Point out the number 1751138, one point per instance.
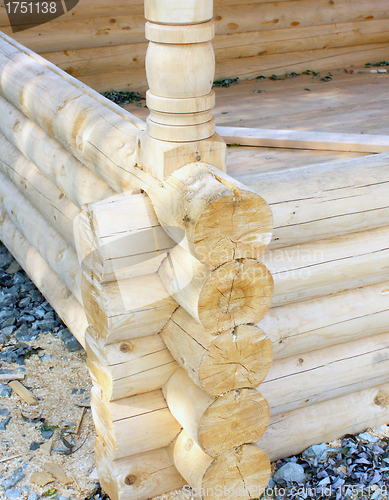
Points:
(31, 7)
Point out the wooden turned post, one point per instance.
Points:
(180, 66)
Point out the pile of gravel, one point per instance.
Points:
(24, 313)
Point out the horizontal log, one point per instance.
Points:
(217, 425)
(125, 369)
(75, 180)
(129, 309)
(329, 200)
(232, 19)
(295, 329)
(221, 219)
(83, 10)
(138, 477)
(61, 299)
(76, 83)
(99, 60)
(236, 359)
(299, 38)
(82, 33)
(96, 136)
(235, 293)
(124, 424)
(46, 240)
(329, 266)
(295, 139)
(122, 238)
(317, 60)
(302, 380)
(245, 469)
(326, 421)
(58, 210)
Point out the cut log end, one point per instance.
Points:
(236, 293)
(234, 419)
(235, 360)
(239, 473)
(244, 229)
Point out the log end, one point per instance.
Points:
(236, 359)
(235, 293)
(234, 419)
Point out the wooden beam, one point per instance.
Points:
(296, 139)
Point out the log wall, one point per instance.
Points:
(186, 318)
(253, 37)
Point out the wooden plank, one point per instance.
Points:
(304, 140)
(23, 392)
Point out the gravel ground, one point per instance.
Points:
(59, 429)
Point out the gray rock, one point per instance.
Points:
(4, 423)
(8, 330)
(13, 480)
(4, 412)
(27, 318)
(290, 472)
(49, 316)
(25, 302)
(22, 331)
(46, 357)
(39, 312)
(5, 391)
(47, 307)
(71, 343)
(35, 445)
(8, 313)
(46, 434)
(36, 295)
(3, 339)
(33, 496)
(315, 452)
(365, 436)
(13, 493)
(13, 268)
(9, 321)
(6, 299)
(5, 260)
(44, 325)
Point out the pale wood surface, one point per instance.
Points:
(62, 300)
(131, 308)
(75, 180)
(43, 237)
(217, 425)
(328, 266)
(235, 359)
(319, 323)
(305, 379)
(53, 205)
(128, 368)
(326, 421)
(133, 425)
(243, 469)
(141, 476)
